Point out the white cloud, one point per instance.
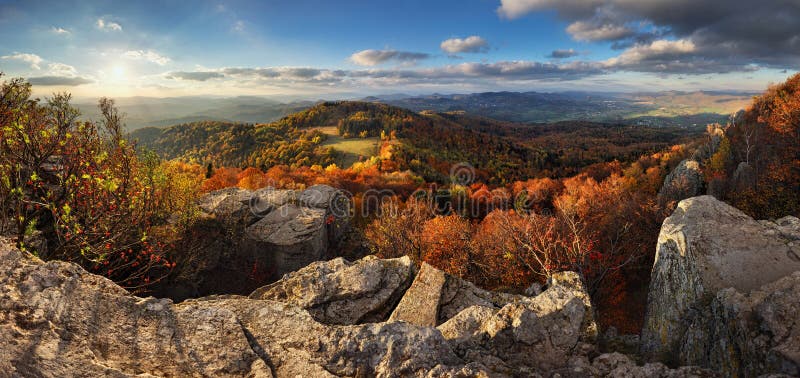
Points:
(661, 49)
(147, 55)
(108, 25)
(376, 57)
(471, 44)
(239, 26)
(32, 59)
(60, 31)
(591, 31)
(61, 69)
(505, 71)
(194, 76)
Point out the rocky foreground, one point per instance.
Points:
(386, 318)
(725, 291)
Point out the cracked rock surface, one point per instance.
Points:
(326, 320)
(724, 291)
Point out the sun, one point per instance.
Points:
(118, 72)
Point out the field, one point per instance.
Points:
(351, 149)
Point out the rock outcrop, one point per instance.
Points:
(248, 238)
(748, 335)
(528, 336)
(685, 181)
(341, 292)
(715, 291)
(58, 320)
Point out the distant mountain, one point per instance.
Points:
(671, 108)
(158, 112)
(660, 109)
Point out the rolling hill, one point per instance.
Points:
(427, 143)
(669, 108)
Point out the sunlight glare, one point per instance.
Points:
(118, 72)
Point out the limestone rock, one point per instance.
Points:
(420, 304)
(744, 177)
(748, 335)
(293, 236)
(685, 181)
(788, 227)
(466, 323)
(706, 246)
(534, 289)
(341, 292)
(230, 205)
(530, 336)
(458, 294)
(265, 200)
(58, 320)
(245, 239)
(611, 341)
(620, 365)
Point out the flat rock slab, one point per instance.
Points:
(420, 304)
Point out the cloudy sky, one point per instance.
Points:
(321, 48)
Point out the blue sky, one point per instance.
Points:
(337, 48)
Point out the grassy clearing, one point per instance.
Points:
(350, 149)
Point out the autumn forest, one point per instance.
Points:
(499, 203)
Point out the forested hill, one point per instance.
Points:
(426, 143)
(292, 140)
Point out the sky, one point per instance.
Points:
(324, 48)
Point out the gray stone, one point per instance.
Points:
(706, 246)
(748, 335)
(420, 304)
(534, 289)
(528, 336)
(245, 239)
(58, 320)
(458, 294)
(230, 205)
(319, 196)
(292, 236)
(466, 323)
(685, 181)
(341, 292)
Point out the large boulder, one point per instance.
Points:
(244, 239)
(335, 203)
(706, 246)
(435, 297)
(528, 336)
(290, 236)
(230, 205)
(341, 292)
(685, 181)
(748, 335)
